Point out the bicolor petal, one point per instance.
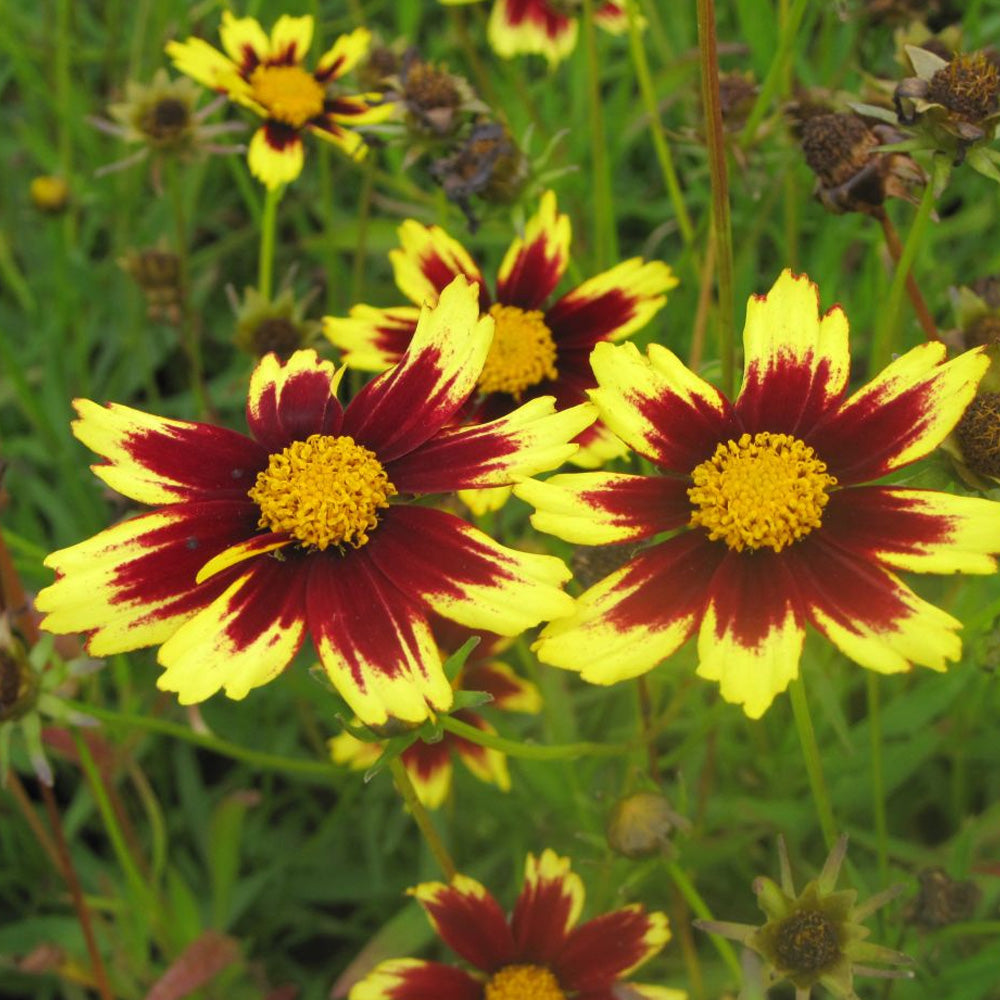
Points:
(510, 692)
(534, 263)
(373, 642)
(900, 416)
(247, 636)
(520, 27)
(358, 755)
(372, 339)
(916, 530)
(603, 949)
(430, 769)
(487, 764)
(533, 438)
(613, 18)
(276, 154)
(156, 460)
(427, 261)
(868, 613)
(464, 575)
(206, 65)
(796, 363)
(469, 920)
(404, 407)
(658, 407)
(752, 631)
(412, 979)
(547, 909)
(291, 38)
(291, 400)
(133, 585)
(627, 623)
(245, 41)
(345, 53)
(598, 508)
(612, 305)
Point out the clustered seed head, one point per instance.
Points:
(969, 86)
(984, 329)
(806, 942)
(166, 121)
(837, 146)
(978, 434)
(942, 900)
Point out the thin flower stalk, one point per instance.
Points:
(421, 817)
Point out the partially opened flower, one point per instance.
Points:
(816, 936)
(309, 526)
(268, 76)
(430, 764)
(538, 952)
(770, 524)
(539, 349)
(544, 27)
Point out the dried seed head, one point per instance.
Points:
(969, 86)
(837, 146)
(984, 329)
(158, 273)
(942, 900)
(641, 825)
(978, 435)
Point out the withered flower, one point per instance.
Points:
(942, 900)
(815, 936)
(435, 100)
(157, 272)
(489, 164)
(737, 93)
(852, 173)
(279, 324)
(642, 824)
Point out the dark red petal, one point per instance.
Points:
(537, 12)
(471, 922)
(578, 322)
(427, 758)
(289, 401)
(597, 952)
(415, 980)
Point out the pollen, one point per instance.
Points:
(523, 982)
(323, 491)
(522, 354)
(806, 943)
(764, 490)
(289, 93)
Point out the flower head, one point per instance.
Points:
(430, 764)
(771, 524)
(544, 27)
(815, 936)
(540, 951)
(308, 525)
(49, 194)
(267, 75)
(157, 272)
(278, 324)
(540, 347)
(163, 118)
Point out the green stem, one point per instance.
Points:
(268, 229)
(775, 73)
(565, 751)
(709, 59)
(422, 818)
(814, 766)
(605, 237)
(885, 334)
(693, 898)
(878, 781)
(660, 144)
(311, 769)
(190, 339)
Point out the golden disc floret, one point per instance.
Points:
(288, 93)
(323, 491)
(522, 354)
(762, 491)
(523, 982)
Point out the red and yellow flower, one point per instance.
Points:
(543, 27)
(538, 349)
(771, 525)
(430, 764)
(308, 526)
(538, 952)
(266, 74)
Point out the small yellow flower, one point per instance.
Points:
(49, 194)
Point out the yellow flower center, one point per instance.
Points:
(523, 352)
(290, 94)
(523, 982)
(763, 490)
(323, 491)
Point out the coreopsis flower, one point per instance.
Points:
(163, 119)
(543, 27)
(430, 764)
(268, 76)
(49, 194)
(277, 324)
(309, 525)
(537, 952)
(538, 349)
(816, 936)
(771, 524)
(953, 106)
(852, 173)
